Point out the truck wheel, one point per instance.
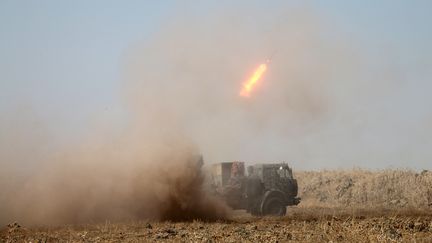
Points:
(274, 206)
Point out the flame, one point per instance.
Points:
(249, 85)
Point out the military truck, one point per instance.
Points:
(266, 189)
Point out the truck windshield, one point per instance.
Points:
(284, 172)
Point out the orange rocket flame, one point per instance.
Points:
(250, 84)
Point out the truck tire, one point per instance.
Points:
(274, 206)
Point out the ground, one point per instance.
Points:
(300, 225)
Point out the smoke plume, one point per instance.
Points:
(180, 90)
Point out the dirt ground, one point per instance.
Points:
(300, 225)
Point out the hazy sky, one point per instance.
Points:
(64, 60)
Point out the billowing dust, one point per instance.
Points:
(179, 100)
(121, 181)
(114, 181)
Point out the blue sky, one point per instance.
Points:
(64, 59)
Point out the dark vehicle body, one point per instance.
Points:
(267, 189)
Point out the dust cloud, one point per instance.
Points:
(138, 175)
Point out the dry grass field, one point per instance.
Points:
(366, 189)
(338, 206)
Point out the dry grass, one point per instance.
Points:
(365, 189)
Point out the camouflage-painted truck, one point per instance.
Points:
(266, 189)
